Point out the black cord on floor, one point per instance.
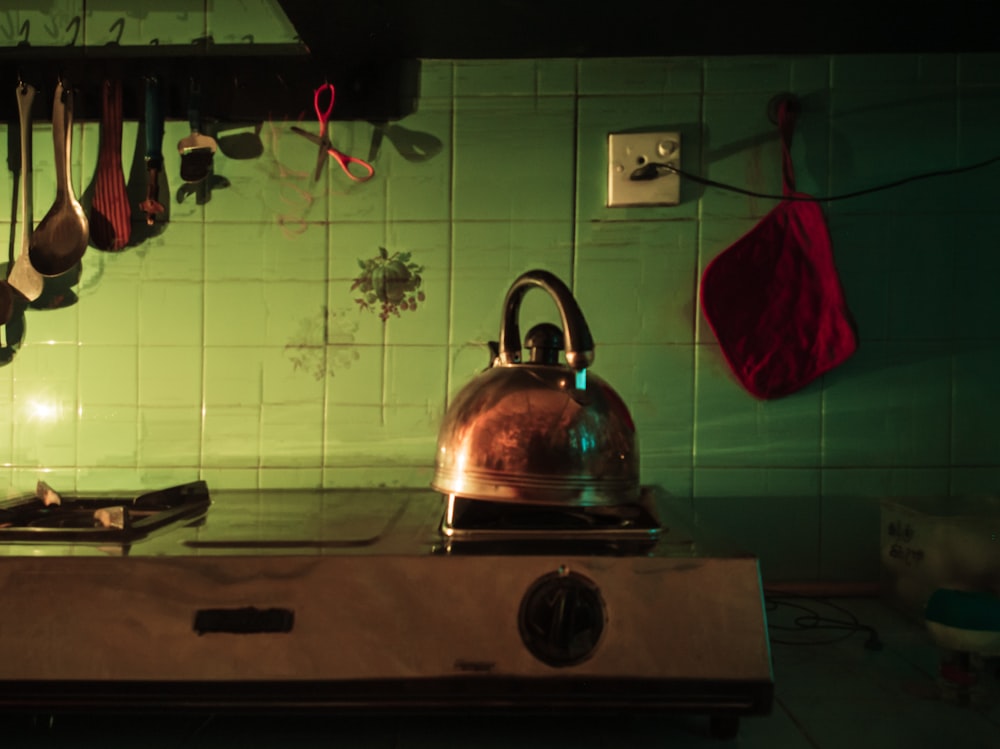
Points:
(810, 621)
(653, 170)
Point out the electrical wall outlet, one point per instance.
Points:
(649, 153)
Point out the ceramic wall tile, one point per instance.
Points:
(236, 313)
(291, 478)
(490, 182)
(657, 384)
(978, 68)
(488, 258)
(107, 375)
(893, 71)
(974, 299)
(231, 478)
(599, 116)
(975, 410)
(170, 437)
(49, 326)
(974, 481)
(45, 407)
(233, 377)
(531, 77)
(734, 429)
(170, 377)
(291, 435)
(742, 149)
(231, 436)
(888, 406)
(849, 540)
(355, 375)
(421, 315)
(289, 382)
(108, 310)
(174, 253)
(866, 150)
(183, 325)
(783, 531)
(415, 376)
(417, 152)
(769, 75)
(436, 80)
(107, 436)
(650, 75)
(865, 253)
(638, 280)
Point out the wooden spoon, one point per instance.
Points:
(60, 239)
(23, 276)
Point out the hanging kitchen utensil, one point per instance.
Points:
(23, 276)
(110, 212)
(154, 153)
(196, 149)
(539, 432)
(774, 299)
(60, 239)
(326, 148)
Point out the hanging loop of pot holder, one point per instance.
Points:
(773, 298)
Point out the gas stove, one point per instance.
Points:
(375, 599)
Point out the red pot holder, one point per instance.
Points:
(773, 298)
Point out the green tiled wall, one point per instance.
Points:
(229, 346)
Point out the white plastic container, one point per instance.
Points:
(938, 542)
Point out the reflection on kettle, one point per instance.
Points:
(540, 431)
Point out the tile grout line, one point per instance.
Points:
(575, 181)
(696, 325)
(450, 315)
(204, 351)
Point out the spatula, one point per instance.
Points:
(23, 277)
(196, 149)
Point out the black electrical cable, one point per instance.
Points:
(812, 621)
(653, 170)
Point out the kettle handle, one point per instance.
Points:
(579, 344)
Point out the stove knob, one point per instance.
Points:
(562, 618)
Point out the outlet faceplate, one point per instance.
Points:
(630, 151)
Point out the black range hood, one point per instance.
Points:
(631, 28)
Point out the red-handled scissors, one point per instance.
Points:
(326, 147)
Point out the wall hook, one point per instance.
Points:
(772, 106)
(120, 25)
(75, 25)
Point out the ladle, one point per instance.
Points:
(60, 239)
(23, 277)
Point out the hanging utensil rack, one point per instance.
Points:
(239, 81)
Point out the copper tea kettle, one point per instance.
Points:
(539, 432)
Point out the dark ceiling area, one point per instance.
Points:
(521, 28)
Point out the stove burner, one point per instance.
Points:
(474, 514)
(630, 528)
(96, 518)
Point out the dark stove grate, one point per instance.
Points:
(108, 519)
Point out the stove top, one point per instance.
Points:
(374, 599)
